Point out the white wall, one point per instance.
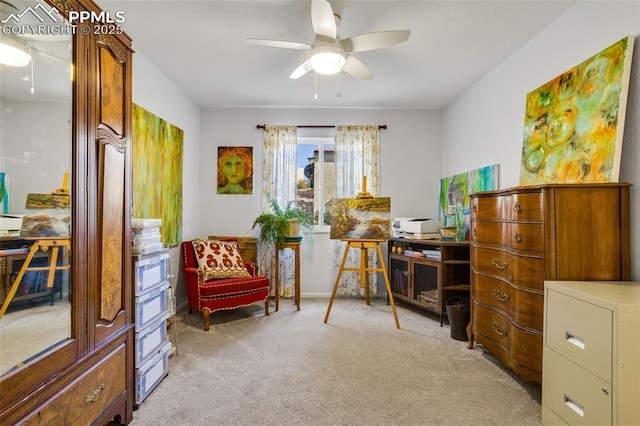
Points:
(485, 124)
(153, 91)
(35, 152)
(410, 172)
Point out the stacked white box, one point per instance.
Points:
(151, 285)
(146, 236)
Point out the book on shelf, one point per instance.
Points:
(432, 254)
(401, 282)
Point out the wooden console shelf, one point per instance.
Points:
(428, 282)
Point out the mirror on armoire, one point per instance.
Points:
(36, 130)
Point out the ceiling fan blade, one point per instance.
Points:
(279, 43)
(377, 40)
(302, 69)
(357, 69)
(322, 19)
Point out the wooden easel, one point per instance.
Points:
(43, 244)
(364, 245)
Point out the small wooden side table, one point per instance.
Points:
(295, 246)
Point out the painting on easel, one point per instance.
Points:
(361, 218)
(46, 215)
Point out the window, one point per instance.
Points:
(315, 177)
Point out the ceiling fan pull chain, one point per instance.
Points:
(315, 86)
(33, 91)
(339, 93)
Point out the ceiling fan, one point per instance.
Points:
(330, 54)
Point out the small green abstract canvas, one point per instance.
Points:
(456, 190)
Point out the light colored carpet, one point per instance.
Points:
(292, 369)
(30, 328)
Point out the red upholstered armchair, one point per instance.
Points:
(209, 293)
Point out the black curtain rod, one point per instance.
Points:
(262, 126)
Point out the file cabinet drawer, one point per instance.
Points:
(574, 394)
(581, 332)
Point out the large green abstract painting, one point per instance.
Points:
(574, 123)
(157, 172)
(456, 191)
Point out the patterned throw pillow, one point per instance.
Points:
(219, 259)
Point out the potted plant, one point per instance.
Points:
(281, 223)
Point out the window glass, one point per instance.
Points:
(316, 178)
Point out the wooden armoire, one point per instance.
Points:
(89, 378)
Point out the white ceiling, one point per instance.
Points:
(200, 45)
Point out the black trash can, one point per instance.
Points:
(459, 314)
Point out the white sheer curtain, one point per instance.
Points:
(279, 182)
(357, 154)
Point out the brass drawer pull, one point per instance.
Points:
(496, 327)
(499, 265)
(517, 208)
(517, 237)
(502, 298)
(95, 395)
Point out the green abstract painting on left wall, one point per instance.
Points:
(157, 172)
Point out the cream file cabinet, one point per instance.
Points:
(591, 354)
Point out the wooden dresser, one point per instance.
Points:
(525, 235)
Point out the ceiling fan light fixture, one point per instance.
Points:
(14, 52)
(327, 59)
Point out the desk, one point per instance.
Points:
(295, 246)
(40, 244)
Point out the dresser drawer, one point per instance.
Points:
(88, 396)
(575, 395)
(525, 347)
(524, 206)
(522, 307)
(581, 332)
(522, 271)
(520, 236)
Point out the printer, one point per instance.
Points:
(10, 224)
(409, 226)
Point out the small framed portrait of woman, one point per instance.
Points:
(235, 170)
